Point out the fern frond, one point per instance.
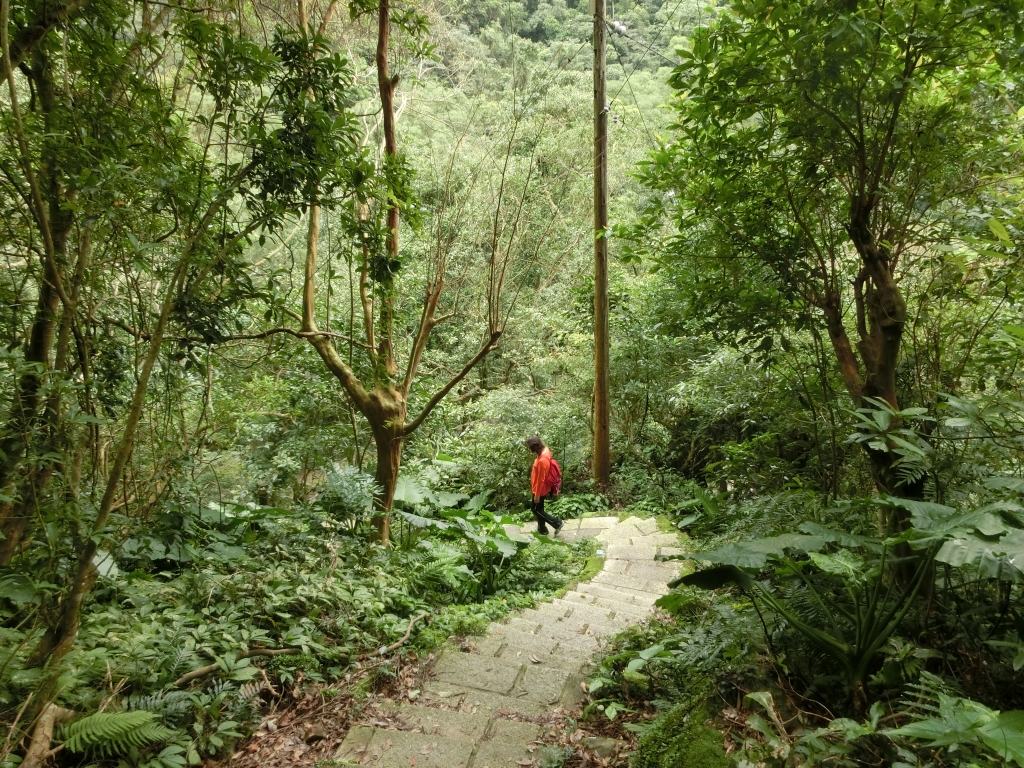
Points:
(169, 705)
(250, 691)
(114, 733)
(924, 694)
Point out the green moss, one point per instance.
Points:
(678, 741)
(595, 564)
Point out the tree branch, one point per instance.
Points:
(320, 341)
(188, 677)
(405, 638)
(490, 344)
(51, 14)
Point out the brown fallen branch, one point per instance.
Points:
(408, 631)
(39, 749)
(188, 677)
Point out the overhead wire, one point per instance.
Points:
(633, 94)
(643, 56)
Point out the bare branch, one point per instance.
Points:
(490, 344)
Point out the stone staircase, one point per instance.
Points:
(482, 706)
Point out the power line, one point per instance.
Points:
(661, 29)
(633, 94)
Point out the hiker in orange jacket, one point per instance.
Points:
(542, 485)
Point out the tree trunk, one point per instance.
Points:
(389, 459)
(386, 414)
(22, 431)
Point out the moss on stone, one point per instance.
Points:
(678, 741)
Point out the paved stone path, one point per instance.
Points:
(476, 710)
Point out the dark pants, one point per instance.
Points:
(543, 517)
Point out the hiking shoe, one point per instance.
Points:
(559, 526)
(543, 532)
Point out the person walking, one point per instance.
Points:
(545, 479)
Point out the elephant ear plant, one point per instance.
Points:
(842, 594)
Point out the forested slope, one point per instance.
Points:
(287, 285)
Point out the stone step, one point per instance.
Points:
(588, 611)
(628, 612)
(536, 690)
(642, 599)
(656, 575)
(507, 745)
(433, 721)
(657, 566)
(469, 715)
(648, 525)
(551, 652)
(564, 614)
(659, 540)
(567, 658)
(520, 624)
(472, 700)
(484, 673)
(620, 534)
(492, 645)
(577, 636)
(631, 552)
(382, 748)
(630, 581)
(616, 566)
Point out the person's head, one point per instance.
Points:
(535, 444)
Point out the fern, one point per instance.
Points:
(114, 733)
(926, 693)
(171, 706)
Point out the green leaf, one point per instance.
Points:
(446, 499)
(923, 514)
(477, 502)
(718, 577)
(688, 520)
(1002, 560)
(999, 230)
(114, 733)
(672, 602)
(754, 553)
(635, 665)
(19, 589)
(838, 537)
(843, 563)
(409, 491)
(1005, 483)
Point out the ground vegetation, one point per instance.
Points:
(287, 284)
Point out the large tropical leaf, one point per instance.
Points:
(716, 578)
(843, 563)
(1005, 483)
(754, 553)
(446, 499)
(839, 537)
(1003, 559)
(409, 491)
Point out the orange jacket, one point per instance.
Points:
(539, 483)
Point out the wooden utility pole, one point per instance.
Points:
(602, 426)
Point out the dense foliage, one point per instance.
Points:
(287, 282)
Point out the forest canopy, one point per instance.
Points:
(287, 284)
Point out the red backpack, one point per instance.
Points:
(554, 478)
